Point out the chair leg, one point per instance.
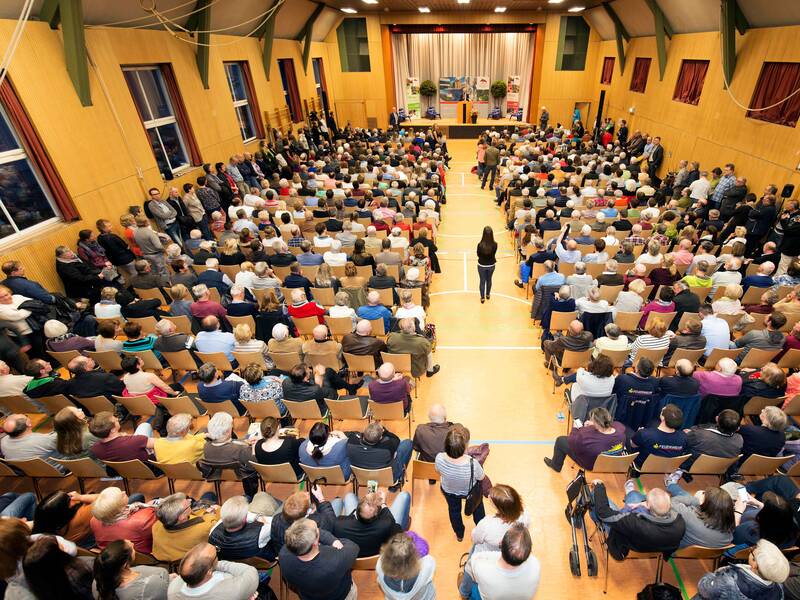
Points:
(81, 485)
(605, 585)
(36, 490)
(127, 485)
(659, 568)
(171, 485)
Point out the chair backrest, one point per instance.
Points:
(132, 469)
(422, 469)
(757, 358)
(305, 325)
(559, 321)
(346, 409)
(63, 358)
(753, 295)
(666, 317)
(326, 359)
(401, 362)
(363, 364)
(655, 355)
(96, 404)
(386, 294)
(383, 476)
(366, 563)
(285, 360)
(83, 467)
(53, 404)
(307, 409)
(18, 404)
(261, 410)
(246, 320)
(155, 293)
(180, 404)
(756, 404)
(712, 465)
(390, 411)
(606, 463)
(108, 360)
(685, 318)
(331, 475)
(282, 473)
(151, 362)
(218, 359)
(618, 357)
(213, 408)
(610, 292)
(35, 467)
(628, 321)
(324, 296)
(757, 465)
(148, 324)
(339, 326)
(700, 291)
(718, 353)
(790, 360)
(691, 355)
(701, 552)
(183, 324)
(247, 358)
(185, 471)
(378, 327)
(140, 406)
(573, 360)
(662, 464)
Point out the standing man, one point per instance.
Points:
(490, 159)
(394, 118)
(622, 133)
(166, 217)
(790, 244)
(117, 250)
(655, 160)
(150, 244)
(544, 118)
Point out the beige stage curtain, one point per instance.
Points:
(434, 55)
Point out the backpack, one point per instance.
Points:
(659, 591)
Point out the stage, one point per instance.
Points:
(462, 131)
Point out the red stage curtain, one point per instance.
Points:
(608, 70)
(641, 68)
(776, 82)
(180, 114)
(690, 81)
(294, 96)
(36, 151)
(253, 99)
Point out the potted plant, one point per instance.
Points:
(427, 89)
(499, 90)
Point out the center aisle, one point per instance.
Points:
(493, 381)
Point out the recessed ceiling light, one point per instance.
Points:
(370, 1)
(463, 1)
(424, 9)
(576, 9)
(499, 9)
(555, 1)
(349, 11)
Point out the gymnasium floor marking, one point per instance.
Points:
(494, 295)
(441, 347)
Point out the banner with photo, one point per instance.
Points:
(482, 89)
(512, 96)
(451, 89)
(412, 97)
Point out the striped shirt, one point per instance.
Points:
(648, 342)
(455, 477)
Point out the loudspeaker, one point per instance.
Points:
(787, 190)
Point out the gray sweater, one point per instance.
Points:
(230, 581)
(697, 532)
(422, 589)
(151, 584)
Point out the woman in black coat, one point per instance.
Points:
(759, 222)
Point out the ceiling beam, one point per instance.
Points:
(656, 10)
(618, 24)
(732, 20)
(742, 24)
(71, 13)
(192, 21)
(259, 33)
(662, 30)
(267, 33)
(306, 34)
(49, 12)
(202, 27)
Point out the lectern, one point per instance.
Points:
(463, 112)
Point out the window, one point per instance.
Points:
(641, 69)
(166, 127)
(241, 94)
(690, 82)
(353, 45)
(573, 41)
(776, 83)
(290, 92)
(608, 70)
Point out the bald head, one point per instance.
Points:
(658, 501)
(572, 245)
(197, 566)
(766, 268)
(210, 323)
(576, 327)
(684, 367)
(364, 327)
(16, 425)
(386, 371)
(437, 413)
(373, 298)
(320, 333)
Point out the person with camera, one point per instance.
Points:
(599, 434)
(370, 522)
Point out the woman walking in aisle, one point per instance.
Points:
(487, 249)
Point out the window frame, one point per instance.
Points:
(685, 62)
(149, 124)
(241, 103)
(16, 155)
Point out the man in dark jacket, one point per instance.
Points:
(18, 284)
(117, 250)
(87, 380)
(688, 338)
(363, 343)
(651, 526)
(732, 197)
(45, 382)
(369, 522)
(376, 448)
(576, 340)
(295, 279)
(80, 279)
(296, 507)
(145, 278)
(685, 302)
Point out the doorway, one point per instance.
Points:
(320, 84)
(584, 109)
(290, 92)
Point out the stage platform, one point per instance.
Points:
(462, 131)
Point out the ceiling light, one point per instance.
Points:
(349, 11)
(463, 1)
(555, 1)
(499, 9)
(576, 9)
(370, 1)
(424, 9)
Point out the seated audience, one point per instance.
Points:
(213, 388)
(113, 445)
(115, 516)
(180, 445)
(182, 524)
(201, 575)
(402, 573)
(599, 434)
(115, 575)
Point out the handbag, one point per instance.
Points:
(474, 497)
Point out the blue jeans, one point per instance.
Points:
(401, 459)
(487, 170)
(676, 490)
(485, 280)
(400, 507)
(22, 506)
(633, 497)
(782, 485)
(174, 231)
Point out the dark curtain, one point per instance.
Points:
(776, 82)
(641, 68)
(181, 115)
(323, 85)
(253, 100)
(608, 70)
(690, 81)
(36, 151)
(291, 86)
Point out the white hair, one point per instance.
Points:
(280, 332)
(727, 366)
(234, 512)
(178, 425)
(219, 427)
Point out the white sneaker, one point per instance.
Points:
(630, 486)
(673, 478)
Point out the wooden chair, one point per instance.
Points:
(662, 464)
(184, 471)
(701, 292)
(718, 353)
(180, 362)
(230, 271)
(366, 563)
(383, 476)
(282, 473)
(248, 358)
(390, 411)
(108, 360)
(685, 318)
(757, 358)
(701, 553)
(155, 293)
(605, 463)
(309, 272)
(36, 469)
(618, 357)
(559, 321)
(324, 296)
(306, 410)
(132, 469)
(305, 326)
(83, 469)
(757, 465)
(386, 294)
(610, 292)
(246, 320)
(326, 359)
(148, 324)
(151, 362)
(339, 326)
(422, 469)
(691, 355)
(53, 404)
(19, 405)
(570, 360)
(183, 324)
(628, 321)
(96, 404)
(181, 404)
(645, 293)
(285, 360)
(213, 408)
(753, 295)
(712, 465)
(378, 327)
(347, 409)
(360, 364)
(259, 411)
(63, 358)
(756, 404)
(328, 476)
(218, 359)
(656, 356)
(138, 406)
(665, 317)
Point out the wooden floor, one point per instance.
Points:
(492, 380)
